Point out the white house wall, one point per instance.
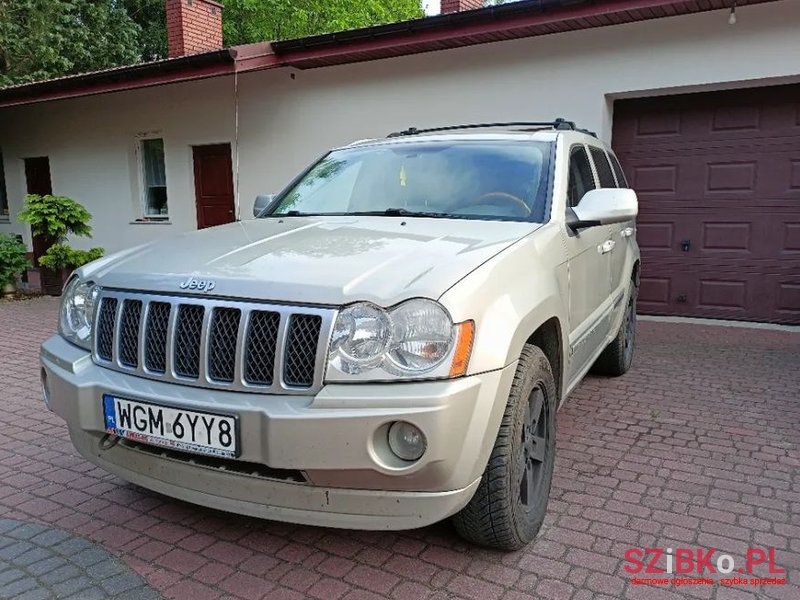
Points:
(287, 121)
(573, 75)
(91, 143)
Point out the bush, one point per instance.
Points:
(64, 256)
(13, 258)
(55, 217)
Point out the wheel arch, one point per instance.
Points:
(548, 337)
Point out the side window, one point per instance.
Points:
(621, 181)
(154, 177)
(604, 173)
(581, 179)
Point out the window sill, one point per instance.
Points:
(151, 222)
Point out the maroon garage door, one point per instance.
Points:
(718, 179)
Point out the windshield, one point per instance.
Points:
(470, 180)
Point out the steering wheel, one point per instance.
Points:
(502, 196)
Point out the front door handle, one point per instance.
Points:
(606, 246)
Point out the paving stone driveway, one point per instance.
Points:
(699, 446)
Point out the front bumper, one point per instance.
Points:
(335, 440)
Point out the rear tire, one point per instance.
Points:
(510, 503)
(617, 357)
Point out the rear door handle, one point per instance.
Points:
(606, 246)
(627, 232)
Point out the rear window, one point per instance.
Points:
(618, 172)
(581, 179)
(604, 172)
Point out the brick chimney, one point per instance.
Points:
(451, 6)
(193, 26)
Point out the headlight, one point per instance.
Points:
(77, 312)
(415, 339)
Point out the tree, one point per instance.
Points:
(246, 21)
(40, 39)
(151, 17)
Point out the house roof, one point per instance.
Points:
(184, 68)
(515, 20)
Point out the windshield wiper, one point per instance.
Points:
(403, 212)
(293, 213)
(389, 212)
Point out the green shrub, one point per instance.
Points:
(13, 259)
(64, 256)
(55, 217)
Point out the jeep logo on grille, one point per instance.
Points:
(201, 285)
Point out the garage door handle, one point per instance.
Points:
(606, 246)
(627, 232)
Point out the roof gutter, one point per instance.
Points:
(483, 16)
(184, 68)
(526, 18)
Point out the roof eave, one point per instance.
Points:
(527, 18)
(185, 68)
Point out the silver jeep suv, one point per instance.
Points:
(386, 345)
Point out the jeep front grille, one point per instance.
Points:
(245, 346)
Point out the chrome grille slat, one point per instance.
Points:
(143, 318)
(214, 343)
(205, 324)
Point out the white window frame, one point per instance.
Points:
(142, 178)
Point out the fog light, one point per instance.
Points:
(45, 388)
(407, 441)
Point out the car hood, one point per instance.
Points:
(313, 260)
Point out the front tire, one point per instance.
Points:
(510, 503)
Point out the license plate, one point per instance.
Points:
(178, 428)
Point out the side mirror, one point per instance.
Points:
(604, 207)
(261, 203)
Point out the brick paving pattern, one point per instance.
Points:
(40, 563)
(698, 446)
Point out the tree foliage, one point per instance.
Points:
(55, 217)
(151, 18)
(246, 21)
(64, 256)
(13, 258)
(47, 38)
(40, 39)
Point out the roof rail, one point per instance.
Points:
(558, 124)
